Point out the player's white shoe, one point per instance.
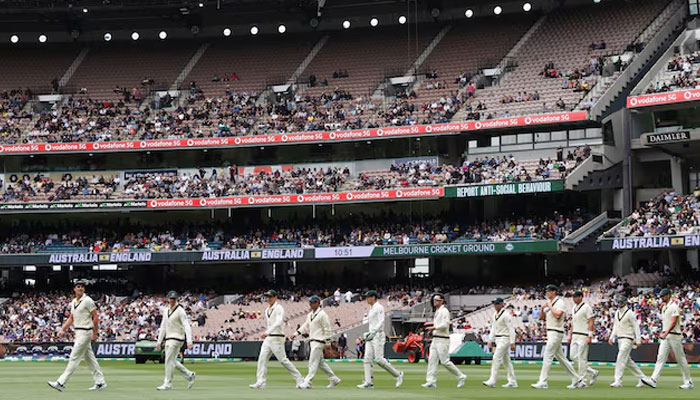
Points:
(510, 385)
(97, 387)
(574, 385)
(365, 385)
(334, 381)
(304, 385)
(687, 386)
(461, 380)
(429, 385)
(540, 385)
(489, 384)
(594, 378)
(257, 385)
(399, 379)
(619, 385)
(190, 380)
(639, 384)
(649, 382)
(57, 386)
(164, 387)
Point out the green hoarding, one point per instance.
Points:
(504, 189)
(437, 250)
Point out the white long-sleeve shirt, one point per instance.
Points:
(441, 323)
(376, 318)
(626, 326)
(274, 316)
(318, 326)
(502, 326)
(175, 325)
(669, 311)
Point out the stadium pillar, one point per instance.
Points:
(692, 256)
(622, 264)
(677, 180)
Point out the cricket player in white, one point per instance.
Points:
(671, 340)
(440, 346)
(374, 343)
(273, 343)
(626, 331)
(83, 317)
(553, 313)
(174, 331)
(582, 330)
(318, 327)
(503, 334)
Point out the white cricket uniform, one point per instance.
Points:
(626, 330)
(673, 342)
(580, 315)
(274, 344)
(374, 349)
(555, 335)
(502, 336)
(81, 310)
(174, 331)
(318, 326)
(440, 346)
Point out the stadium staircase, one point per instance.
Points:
(584, 238)
(379, 91)
(656, 37)
(189, 66)
(507, 60)
(73, 67)
(309, 57)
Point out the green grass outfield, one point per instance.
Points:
(126, 380)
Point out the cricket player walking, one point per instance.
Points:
(318, 327)
(626, 330)
(174, 331)
(273, 343)
(440, 346)
(582, 331)
(671, 337)
(83, 317)
(503, 335)
(553, 313)
(374, 343)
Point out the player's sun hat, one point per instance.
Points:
(81, 282)
(497, 300)
(664, 292)
(578, 293)
(314, 299)
(271, 293)
(551, 287)
(371, 293)
(172, 294)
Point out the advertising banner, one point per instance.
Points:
(657, 99)
(438, 250)
(504, 189)
(650, 243)
(296, 137)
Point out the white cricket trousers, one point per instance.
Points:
(551, 350)
(274, 345)
(671, 343)
(374, 351)
(172, 349)
(579, 356)
(317, 362)
(501, 356)
(440, 353)
(624, 348)
(82, 348)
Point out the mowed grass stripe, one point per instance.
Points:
(126, 380)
